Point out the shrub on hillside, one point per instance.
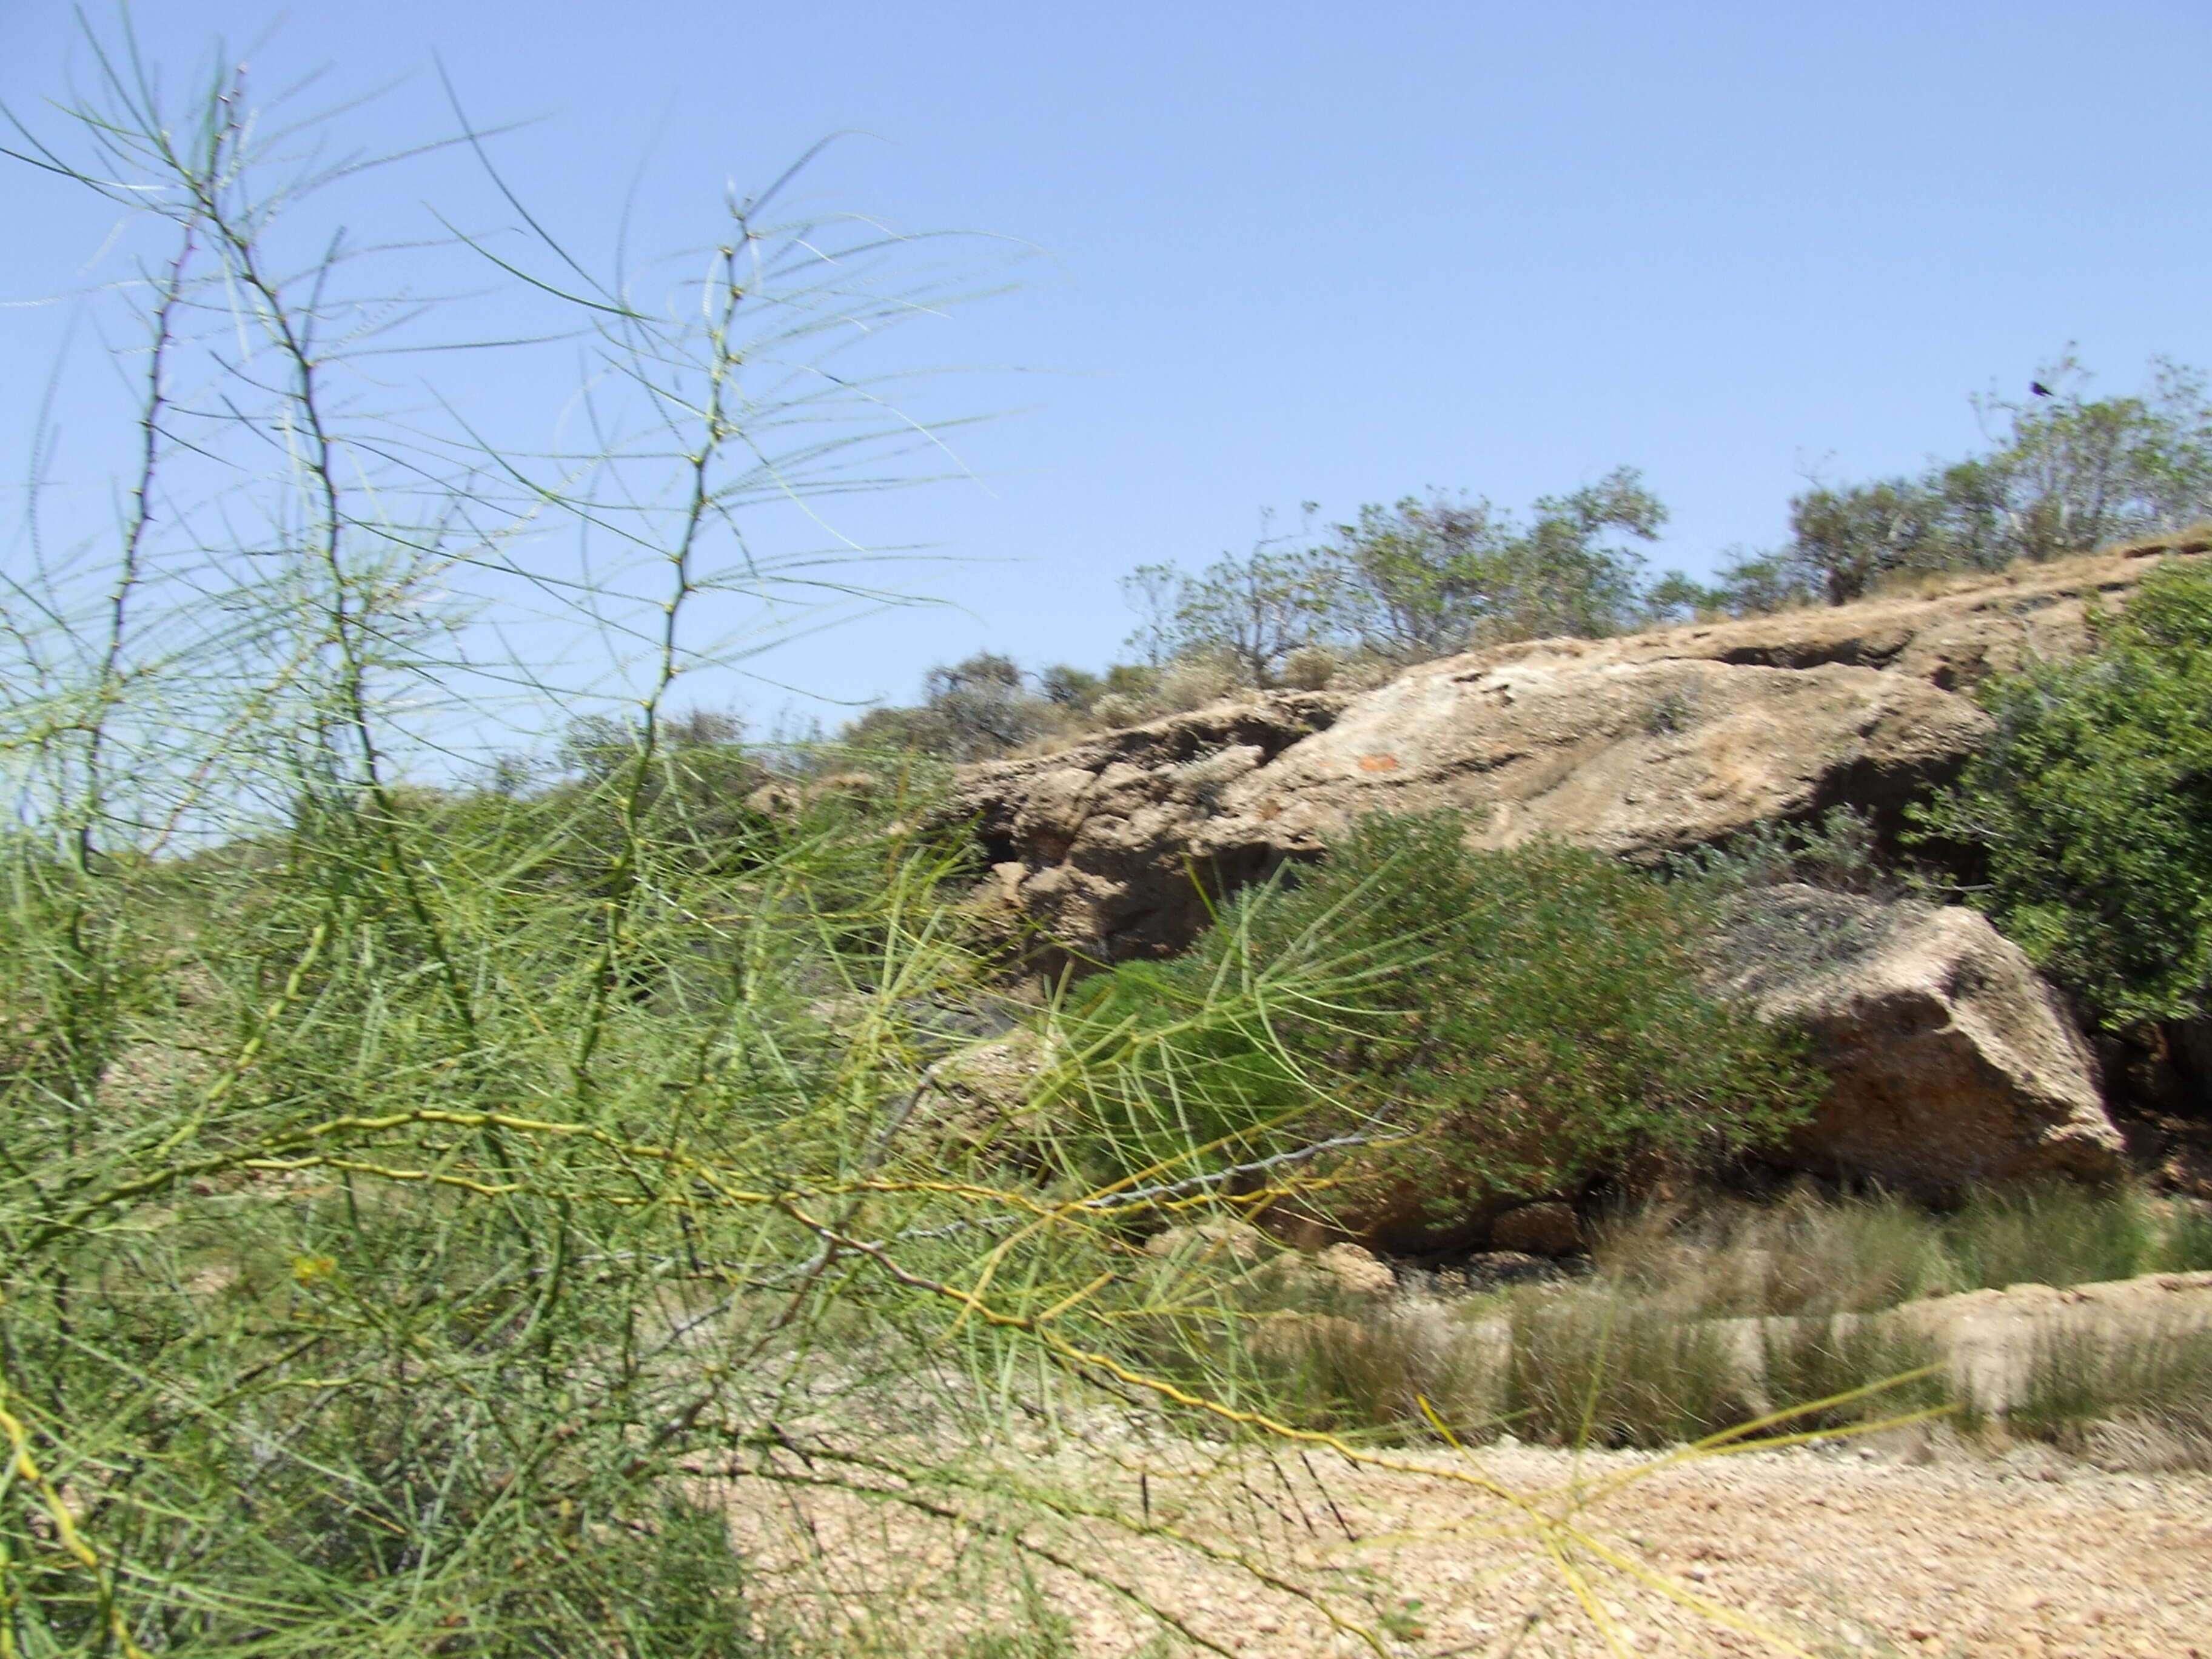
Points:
(1494, 1022)
(2071, 473)
(2092, 807)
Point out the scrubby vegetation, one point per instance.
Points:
(2091, 809)
(1351, 605)
(1693, 1319)
(437, 1204)
(1493, 1022)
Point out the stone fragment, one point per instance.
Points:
(1358, 1271)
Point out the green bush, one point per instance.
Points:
(2092, 807)
(1515, 1021)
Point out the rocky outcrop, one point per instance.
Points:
(1100, 846)
(1950, 1060)
(1641, 745)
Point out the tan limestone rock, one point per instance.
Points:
(1950, 1058)
(1640, 745)
(1355, 1270)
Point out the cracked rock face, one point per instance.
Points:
(1640, 746)
(1101, 848)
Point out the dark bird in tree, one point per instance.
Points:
(2037, 389)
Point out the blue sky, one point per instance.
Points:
(1334, 253)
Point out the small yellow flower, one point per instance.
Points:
(314, 1269)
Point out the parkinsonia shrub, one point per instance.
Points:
(429, 1217)
(1520, 1020)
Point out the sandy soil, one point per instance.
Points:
(1912, 1541)
(1839, 1549)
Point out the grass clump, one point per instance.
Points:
(1813, 1359)
(1382, 1371)
(1807, 1254)
(2185, 1244)
(1597, 1367)
(2056, 1234)
(2133, 1396)
(1857, 1252)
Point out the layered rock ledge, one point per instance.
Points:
(1641, 745)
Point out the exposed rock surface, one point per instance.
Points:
(979, 1098)
(1100, 845)
(1951, 1060)
(1640, 745)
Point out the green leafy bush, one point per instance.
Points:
(1514, 1021)
(2092, 807)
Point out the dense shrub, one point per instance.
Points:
(2092, 807)
(1497, 1021)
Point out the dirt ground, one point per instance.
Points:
(1915, 1540)
(1841, 1549)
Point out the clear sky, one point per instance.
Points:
(1333, 252)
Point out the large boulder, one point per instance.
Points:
(1642, 746)
(1096, 847)
(1951, 1062)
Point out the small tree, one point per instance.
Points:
(1417, 574)
(1566, 578)
(1424, 578)
(1841, 540)
(971, 710)
(1407, 583)
(1254, 609)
